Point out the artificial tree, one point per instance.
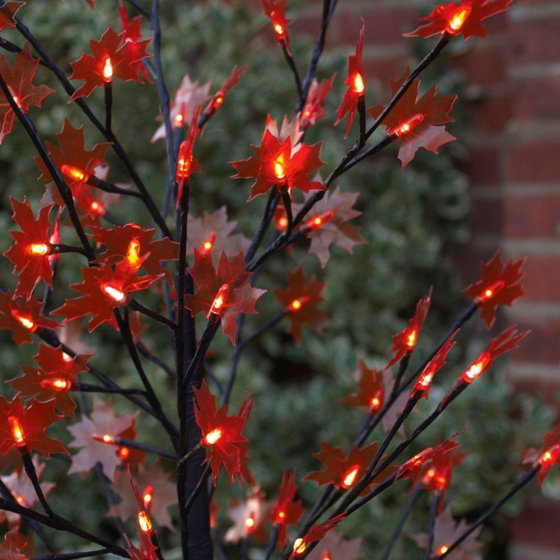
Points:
(195, 267)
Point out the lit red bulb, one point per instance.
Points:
(320, 220)
(114, 293)
(25, 321)
(350, 477)
(107, 71)
(144, 522)
(219, 301)
(491, 291)
(408, 126)
(458, 20)
(74, 173)
(358, 85)
(38, 249)
(297, 304)
(133, 253)
(56, 384)
(16, 429)
(213, 436)
(208, 244)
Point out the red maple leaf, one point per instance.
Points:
(94, 436)
(424, 382)
(371, 389)
(31, 247)
(433, 467)
(446, 532)
(287, 511)
(301, 300)
(137, 247)
(463, 18)
(279, 163)
(345, 471)
(8, 12)
(355, 82)
(74, 161)
(11, 548)
(222, 293)
(156, 491)
(545, 457)
(23, 317)
(104, 289)
(313, 109)
(275, 10)
(216, 102)
(133, 36)
(221, 433)
(405, 341)
(315, 534)
(419, 122)
(499, 285)
(507, 340)
(249, 517)
(112, 57)
(53, 379)
(212, 234)
(333, 212)
(24, 427)
(19, 81)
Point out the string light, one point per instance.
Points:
(350, 476)
(213, 436)
(219, 301)
(144, 522)
(297, 304)
(148, 496)
(458, 20)
(74, 173)
(38, 249)
(208, 243)
(114, 293)
(376, 400)
(477, 368)
(411, 339)
(23, 320)
(108, 71)
(408, 126)
(299, 546)
(358, 85)
(250, 522)
(320, 220)
(18, 435)
(279, 171)
(133, 253)
(56, 384)
(491, 291)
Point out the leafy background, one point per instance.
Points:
(412, 220)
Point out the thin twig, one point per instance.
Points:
(432, 526)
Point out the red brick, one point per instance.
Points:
(537, 524)
(491, 113)
(545, 390)
(532, 216)
(535, 41)
(385, 69)
(541, 280)
(537, 98)
(483, 66)
(487, 216)
(386, 25)
(536, 160)
(541, 347)
(483, 166)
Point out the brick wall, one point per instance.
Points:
(513, 165)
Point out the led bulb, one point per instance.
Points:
(408, 126)
(114, 293)
(458, 20)
(213, 436)
(350, 476)
(144, 522)
(56, 384)
(18, 435)
(38, 249)
(74, 173)
(219, 301)
(108, 71)
(358, 86)
(25, 321)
